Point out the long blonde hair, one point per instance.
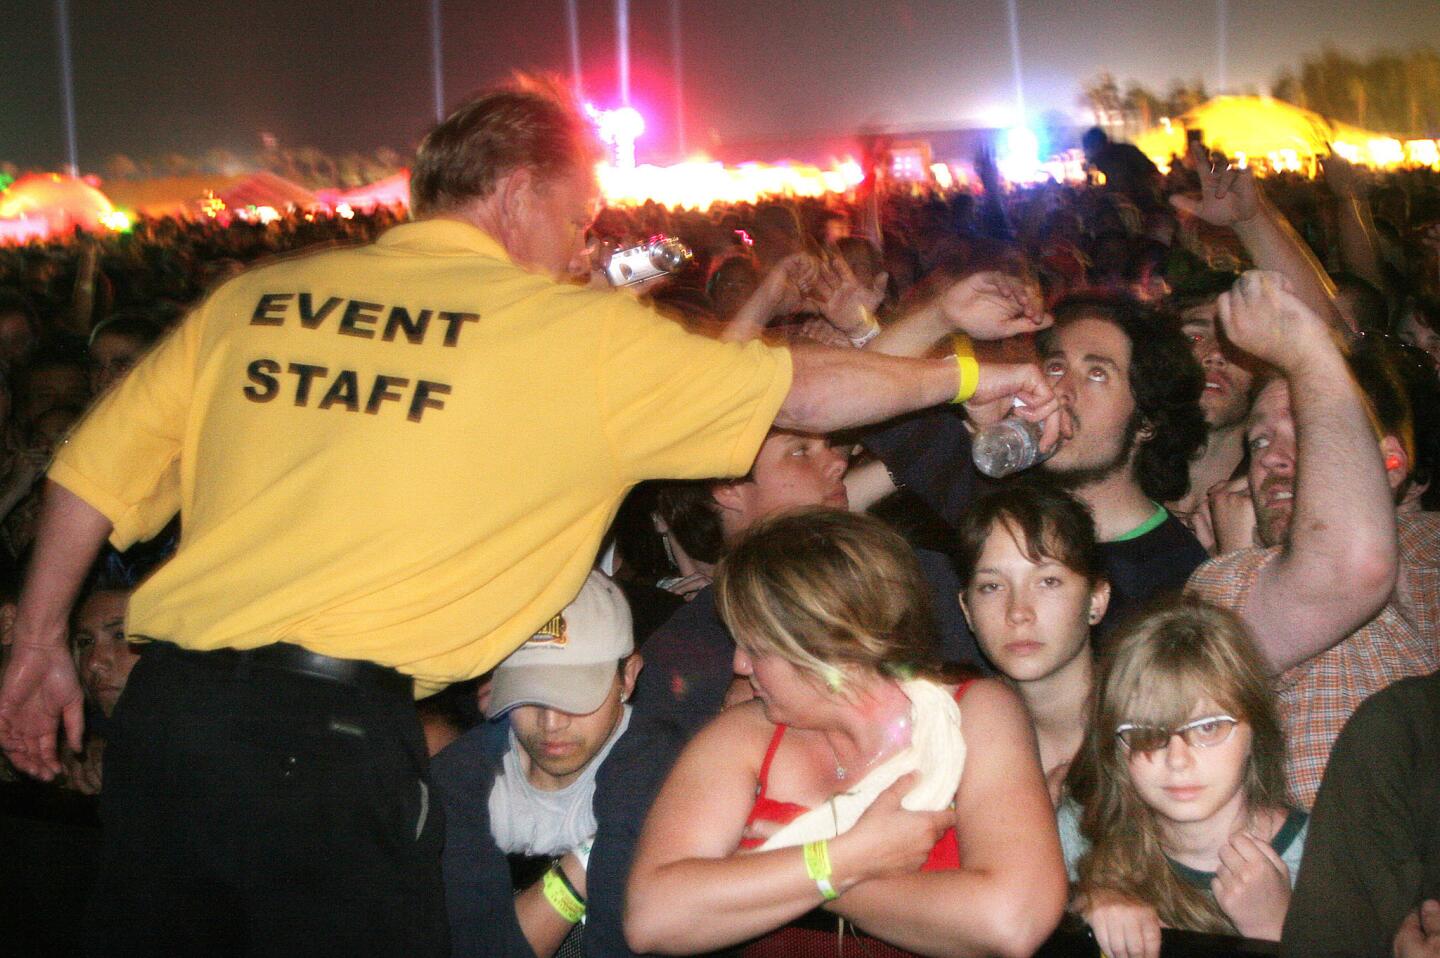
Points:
(1158, 667)
(823, 588)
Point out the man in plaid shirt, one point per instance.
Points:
(1342, 597)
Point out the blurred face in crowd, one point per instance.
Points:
(1226, 398)
(49, 387)
(111, 356)
(51, 427)
(17, 341)
(552, 216)
(1270, 437)
(1088, 363)
(792, 470)
(1151, 287)
(1032, 618)
(560, 744)
(1185, 783)
(104, 658)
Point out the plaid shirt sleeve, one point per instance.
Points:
(1317, 697)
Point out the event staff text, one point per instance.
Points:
(326, 388)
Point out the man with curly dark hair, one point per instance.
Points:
(1131, 388)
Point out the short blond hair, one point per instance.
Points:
(534, 123)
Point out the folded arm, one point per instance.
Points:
(1009, 892)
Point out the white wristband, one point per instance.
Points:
(860, 341)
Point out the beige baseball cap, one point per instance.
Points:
(570, 664)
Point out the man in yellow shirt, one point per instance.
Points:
(392, 464)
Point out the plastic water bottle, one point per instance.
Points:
(1007, 447)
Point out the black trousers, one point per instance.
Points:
(253, 811)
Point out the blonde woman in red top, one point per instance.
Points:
(794, 800)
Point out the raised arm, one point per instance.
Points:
(1337, 566)
(838, 388)
(984, 306)
(1359, 247)
(1231, 197)
(1009, 892)
(783, 290)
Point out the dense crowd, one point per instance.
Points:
(1212, 611)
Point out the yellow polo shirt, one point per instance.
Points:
(405, 452)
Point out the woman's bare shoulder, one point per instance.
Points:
(737, 727)
(984, 694)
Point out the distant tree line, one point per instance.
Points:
(1390, 91)
(305, 165)
(308, 166)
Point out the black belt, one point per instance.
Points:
(284, 657)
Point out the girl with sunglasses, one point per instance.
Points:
(1184, 823)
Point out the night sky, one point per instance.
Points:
(154, 76)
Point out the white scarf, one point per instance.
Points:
(936, 749)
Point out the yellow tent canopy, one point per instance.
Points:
(1282, 134)
(62, 201)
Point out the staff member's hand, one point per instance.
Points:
(1002, 383)
(40, 688)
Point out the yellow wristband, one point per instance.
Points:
(561, 898)
(817, 866)
(969, 368)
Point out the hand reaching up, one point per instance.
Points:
(994, 305)
(1263, 317)
(1227, 196)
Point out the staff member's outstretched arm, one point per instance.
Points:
(839, 388)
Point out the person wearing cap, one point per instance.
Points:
(392, 462)
(565, 692)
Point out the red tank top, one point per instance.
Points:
(945, 854)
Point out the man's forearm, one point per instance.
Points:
(750, 319)
(1341, 473)
(1337, 568)
(1359, 250)
(913, 334)
(840, 388)
(1275, 246)
(69, 538)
